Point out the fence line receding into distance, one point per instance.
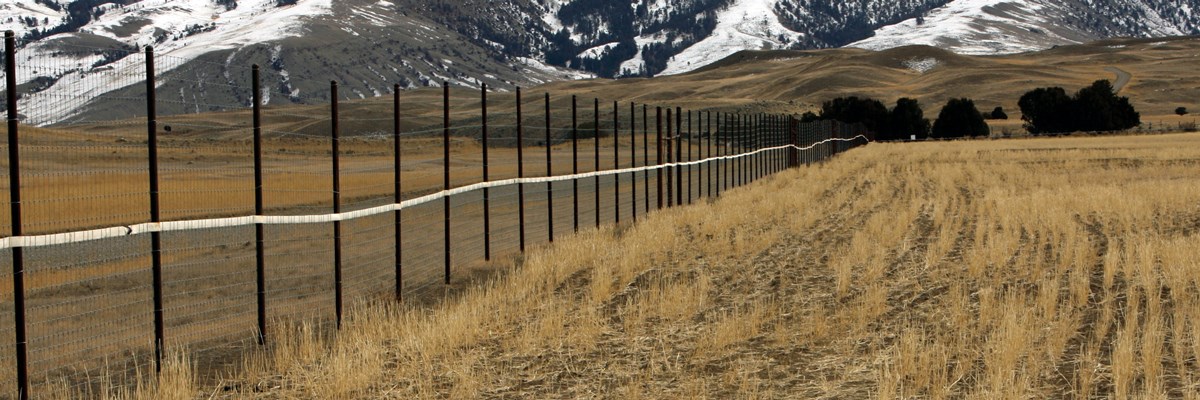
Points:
(195, 217)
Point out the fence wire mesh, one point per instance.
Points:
(85, 165)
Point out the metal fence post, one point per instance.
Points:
(741, 149)
(260, 256)
(757, 131)
(155, 212)
(575, 160)
(549, 172)
(670, 160)
(616, 164)
(633, 158)
(659, 170)
(446, 180)
(645, 156)
(720, 147)
(14, 203)
(520, 172)
(596, 154)
(793, 152)
(335, 131)
(709, 129)
(678, 136)
(396, 193)
(487, 220)
(689, 156)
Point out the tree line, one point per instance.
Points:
(906, 120)
(1095, 108)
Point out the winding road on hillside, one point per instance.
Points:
(1123, 78)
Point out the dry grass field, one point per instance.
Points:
(1041, 268)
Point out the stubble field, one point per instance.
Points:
(1041, 268)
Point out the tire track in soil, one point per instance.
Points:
(795, 273)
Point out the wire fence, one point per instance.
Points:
(155, 204)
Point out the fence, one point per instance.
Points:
(199, 226)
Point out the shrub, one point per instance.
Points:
(809, 117)
(1181, 111)
(960, 118)
(906, 120)
(1046, 110)
(1093, 108)
(999, 113)
(853, 110)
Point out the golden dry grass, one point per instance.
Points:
(1062, 268)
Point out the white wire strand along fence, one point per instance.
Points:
(187, 218)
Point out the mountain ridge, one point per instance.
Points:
(369, 45)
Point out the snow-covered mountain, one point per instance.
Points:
(1012, 26)
(368, 45)
(73, 52)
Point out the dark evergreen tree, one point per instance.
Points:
(1098, 109)
(1095, 108)
(852, 110)
(1046, 110)
(1181, 111)
(999, 113)
(960, 118)
(906, 121)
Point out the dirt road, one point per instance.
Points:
(1123, 78)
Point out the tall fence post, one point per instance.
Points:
(775, 134)
(155, 212)
(735, 140)
(14, 204)
(741, 149)
(646, 155)
(520, 173)
(785, 129)
(487, 218)
(659, 170)
(678, 136)
(758, 131)
(575, 159)
(397, 197)
(720, 149)
(794, 140)
(670, 160)
(689, 156)
(709, 166)
(335, 132)
(596, 154)
(616, 163)
(755, 131)
(260, 257)
(633, 158)
(446, 180)
(549, 172)
(772, 138)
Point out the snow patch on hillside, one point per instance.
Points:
(746, 24)
(179, 31)
(921, 65)
(597, 52)
(974, 27)
(14, 12)
(637, 64)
